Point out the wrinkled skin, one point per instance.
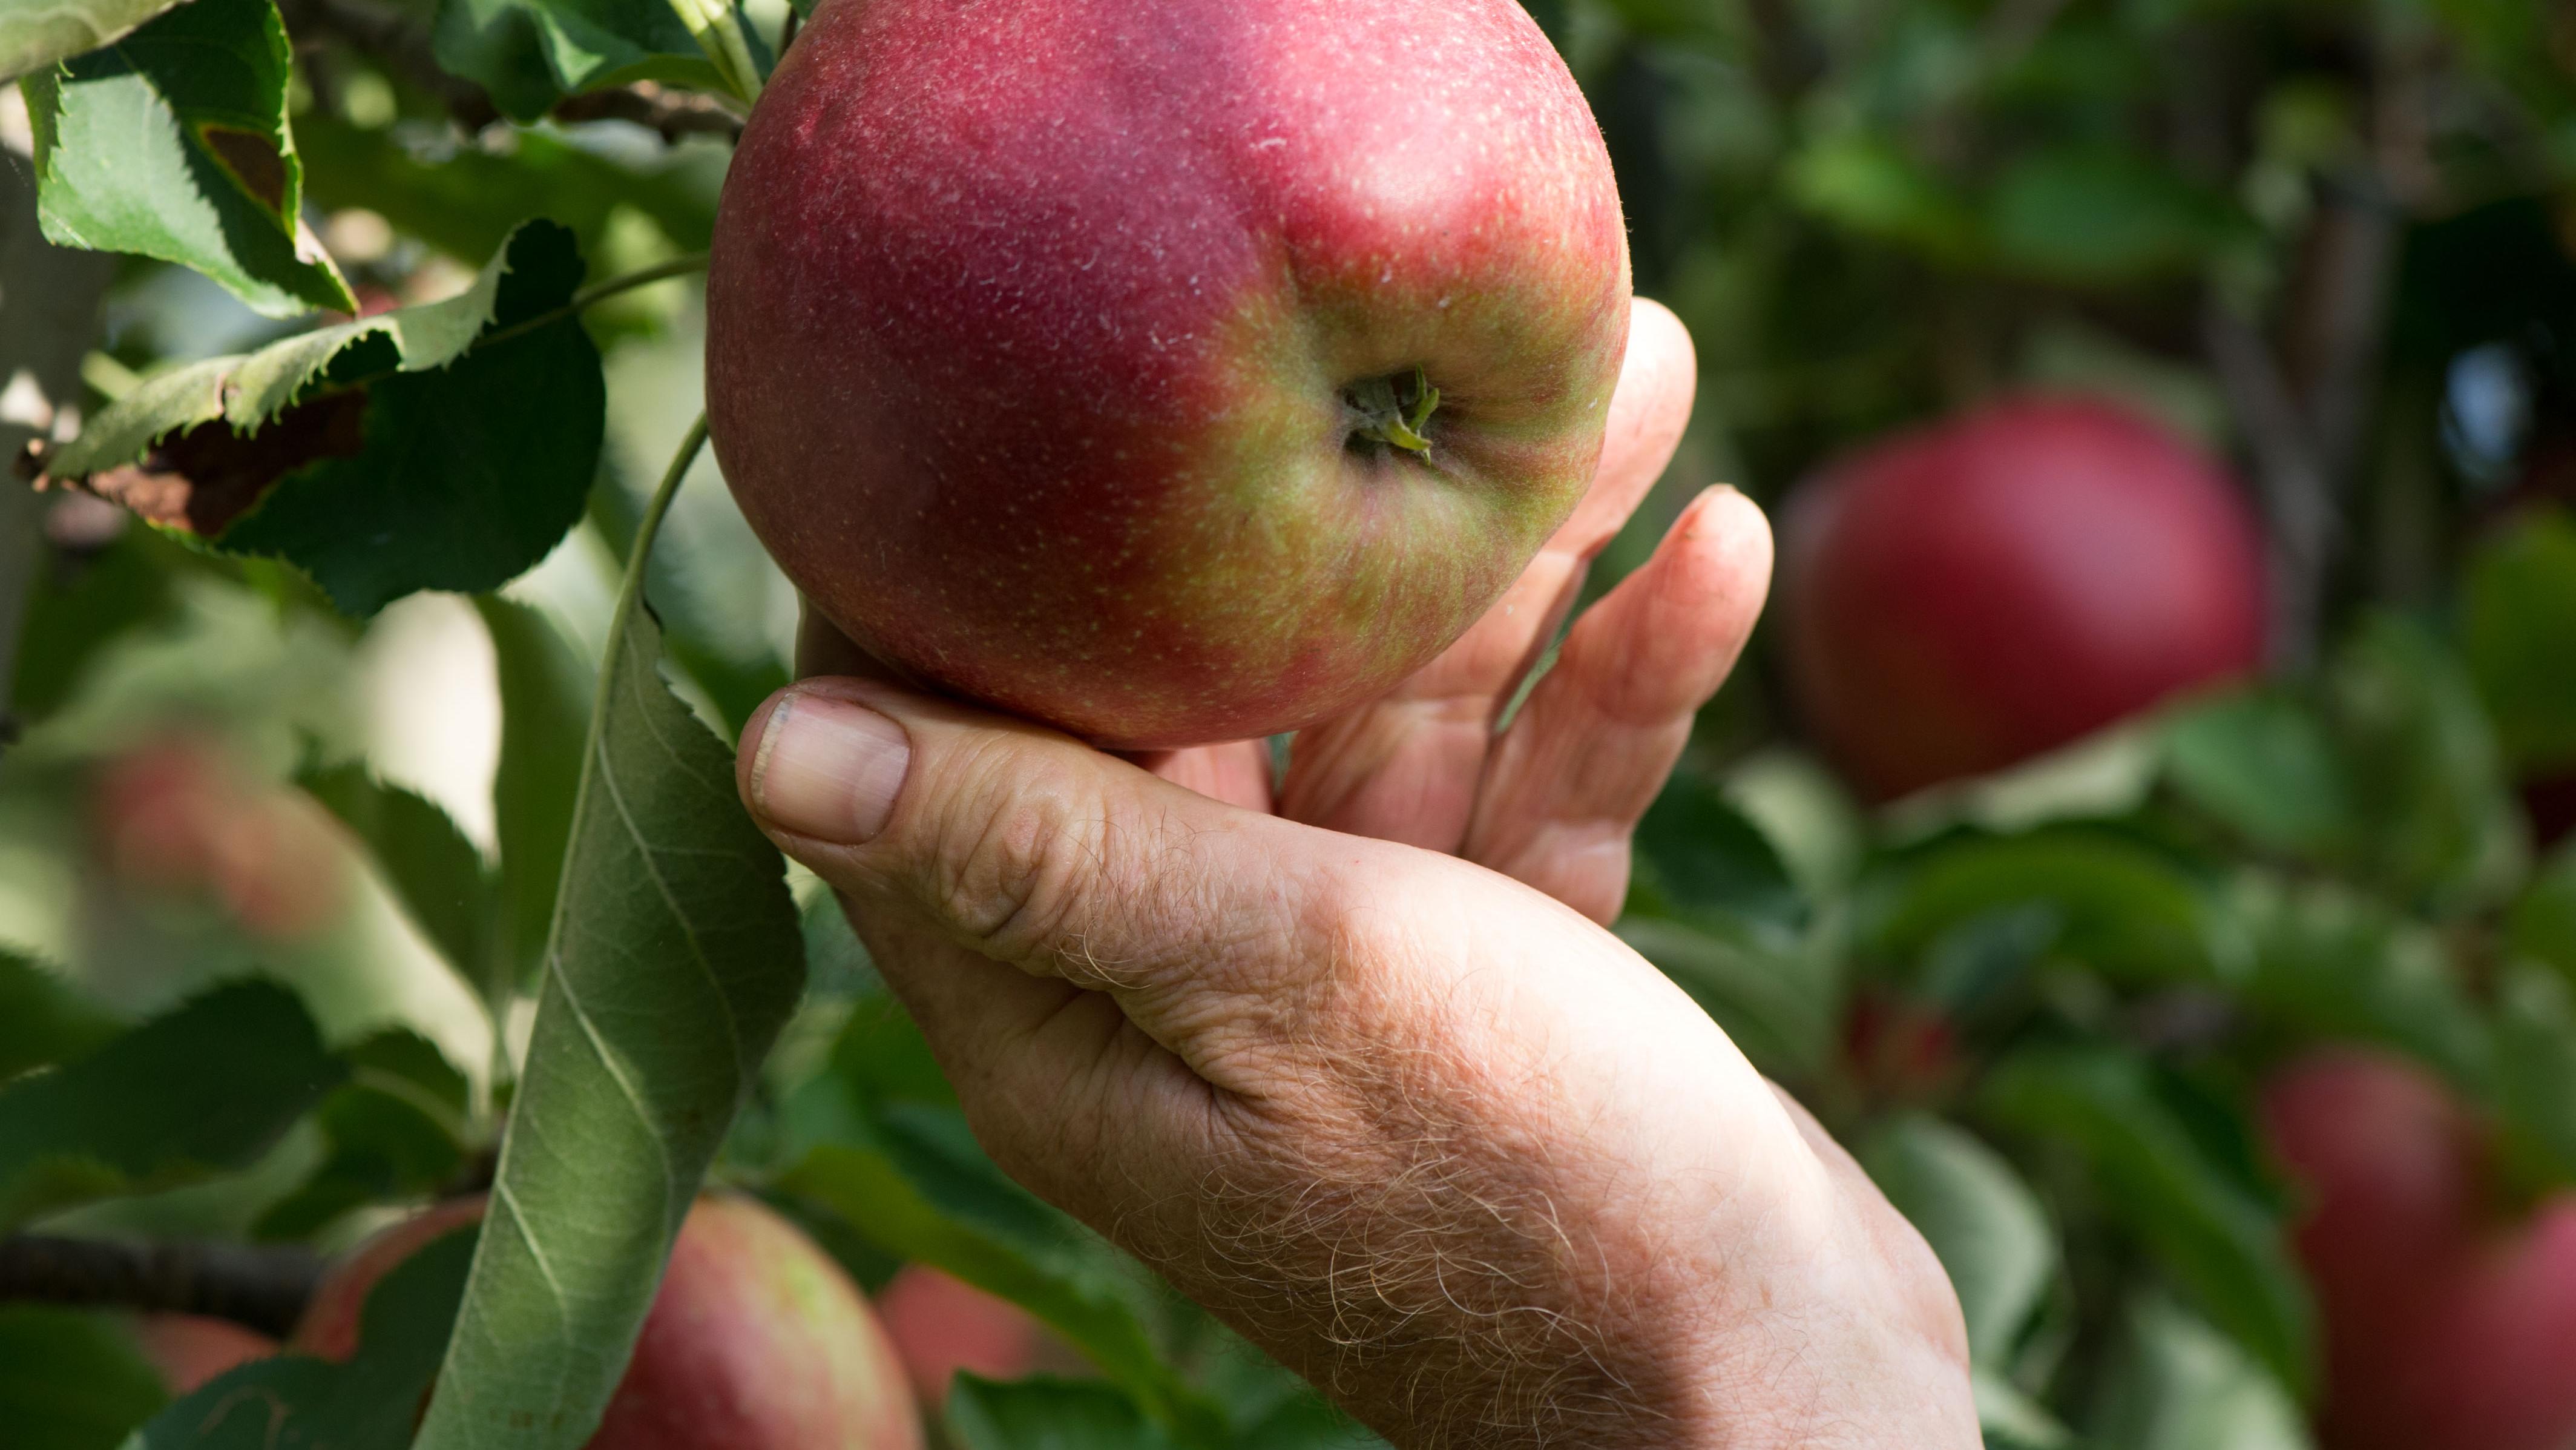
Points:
(1354, 1062)
(756, 1340)
(1038, 333)
(1966, 596)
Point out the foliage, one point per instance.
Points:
(402, 317)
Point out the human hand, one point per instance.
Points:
(1410, 1120)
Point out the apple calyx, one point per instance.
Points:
(1393, 410)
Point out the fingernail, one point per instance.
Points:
(829, 769)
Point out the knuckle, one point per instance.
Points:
(1017, 857)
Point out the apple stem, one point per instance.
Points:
(1385, 416)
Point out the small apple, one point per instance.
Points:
(756, 1341)
(2449, 1323)
(940, 1325)
(190, 1349)
(1169, 371)
(1961, 598)
(176, 816)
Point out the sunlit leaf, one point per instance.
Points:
(173, 142)
(33, 36)
(1981, 1220)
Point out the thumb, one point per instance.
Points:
(1031, 849)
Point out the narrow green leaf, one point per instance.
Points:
(2536, 1066)
(2331, 962)
(71, 1380)
(1697, 852)
(1869, 186)
(370, 1403)
(2266, 767)
(2440, 828)
(445, 446)
(435, 872)
(1982, 1221)
(173, 142)
(1778, 1002)
(2542, 924)
(204, 1090)
(1046, 1414)
(2209, 1233)
(35, 36)
(42, 1020)
(545, 709)
(674, 962)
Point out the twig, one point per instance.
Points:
(264, 1287)
(2298, 500)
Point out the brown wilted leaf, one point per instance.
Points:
(203, 478)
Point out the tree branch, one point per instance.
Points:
(262, 1286)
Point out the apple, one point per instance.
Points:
(1168, 371)
(756, 1341)
(2449, 1323)
(940, 1325)
(190, 1349)
(1967, 596)
(176, 816)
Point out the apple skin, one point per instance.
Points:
(1967, 596)
(176, 816)
(2447, 1325)
(756, 1340)
(940, 1325)
(1030, 325)
(190, 1349)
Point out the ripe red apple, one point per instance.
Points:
(940, 1325)
(190, 1349)
(1166, 370)
(757, 1340)
(2448, 1324)
(1970, 595)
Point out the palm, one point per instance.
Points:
(1551, 800)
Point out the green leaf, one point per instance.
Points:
(1696, 852)
(2519, 630)
(42, 1020)
(35, 36)
(674, 962)
(2536, 1066)
(71, 1379)
(2265, 766)
(205, 1090)
(545, 709)
(2012, 1420)
(445, 446)
(2087, 214)
(2207, 1230)
(1982, 1221)
(2336, 964)
(2439, 823)
(2121, 905)
(908, 1177)
(434, 871)
(1046, 1414)
(1778, 1003)
(396, 1131)
(2542, 924)
(529, 54)
(369, 1403)
(173, 143)
(2181, 1385)
(468, 203)
(1870, 186)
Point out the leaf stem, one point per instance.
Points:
(717, 29)
(631, 592)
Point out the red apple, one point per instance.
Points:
(1166, 370)
(190, 1349)
(757, 1340)
(940, 1325)
(2447, 1325)
(1973, 594)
